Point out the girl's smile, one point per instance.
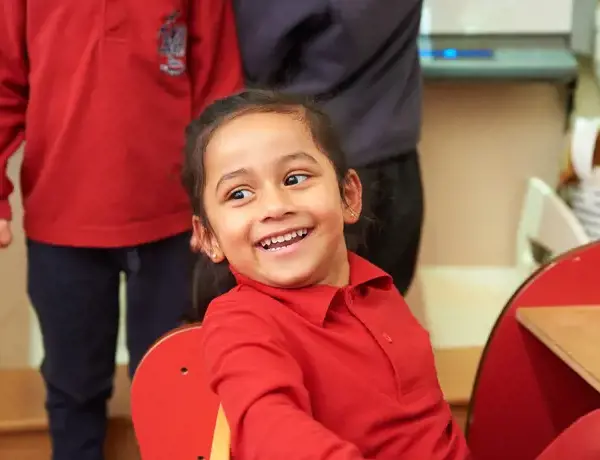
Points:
(284, 241)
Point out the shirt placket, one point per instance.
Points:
(381, 337)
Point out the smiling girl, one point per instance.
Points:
(311, 349)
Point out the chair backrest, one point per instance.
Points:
(175, 414)
(524, 396)
(548, 221)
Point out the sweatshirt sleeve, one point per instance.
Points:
(314, 46)
(262, 392)
(13, 90)
(273, 35)
(214, 59)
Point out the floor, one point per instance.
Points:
(23, 424)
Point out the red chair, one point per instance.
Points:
(175, 415)
(524, 396)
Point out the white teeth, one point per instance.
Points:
(281, 238)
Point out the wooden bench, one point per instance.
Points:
(457, 368)
(24, 427)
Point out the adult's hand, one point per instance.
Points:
(5, 234)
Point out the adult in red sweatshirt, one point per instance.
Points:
(101, 91)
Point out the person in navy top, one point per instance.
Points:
(359, 59)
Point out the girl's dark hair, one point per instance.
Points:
(211, 280)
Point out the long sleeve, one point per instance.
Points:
(13, 90)
(262, 392)
(314, 46)
(214, 60)
(273, 35)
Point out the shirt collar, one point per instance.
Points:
(313, 302)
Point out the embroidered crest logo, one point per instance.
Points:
(172, 45)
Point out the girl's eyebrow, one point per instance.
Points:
(231, 175)
(297, 156)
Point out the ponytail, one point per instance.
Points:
(209, 280)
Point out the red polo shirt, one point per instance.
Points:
(327, 373)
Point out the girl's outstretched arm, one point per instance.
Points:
(262, 391)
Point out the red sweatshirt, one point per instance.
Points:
(102, 90)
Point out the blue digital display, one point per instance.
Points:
(455, 54)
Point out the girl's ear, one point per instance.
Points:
(352, 191)
(204, 240)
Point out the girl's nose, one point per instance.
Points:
(275, 203)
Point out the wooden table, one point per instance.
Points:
(572, 333)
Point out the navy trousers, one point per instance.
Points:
(390, 235)
(75, 294)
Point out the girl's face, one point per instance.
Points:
(274, 205)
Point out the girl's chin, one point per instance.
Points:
(285, 276)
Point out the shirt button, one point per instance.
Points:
(349, 298)
(387, 338)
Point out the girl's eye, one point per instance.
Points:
(295, 179)
(239, 194)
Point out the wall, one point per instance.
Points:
(480, 143)
(14, 306)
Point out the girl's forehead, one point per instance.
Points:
(258, 138)
(266, 128)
